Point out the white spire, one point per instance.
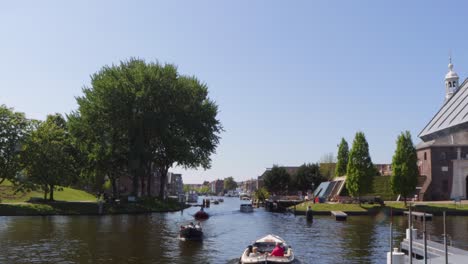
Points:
(451, 81)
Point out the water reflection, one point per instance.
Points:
(153, 238)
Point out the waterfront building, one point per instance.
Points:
(217, 186)
(175, 184)
(443, 152)
(384, 169)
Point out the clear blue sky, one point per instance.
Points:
(290, 77)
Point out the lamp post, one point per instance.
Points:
(313, 196)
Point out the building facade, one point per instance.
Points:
(443, 152)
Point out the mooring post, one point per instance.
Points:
(425, 238)
(391, 236)
(445, 242)
(410, 236)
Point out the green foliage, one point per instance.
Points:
(187, 188)
(14, 129)
(327, 166)
(261, 194)
(205, 189)
(404, 166)
(306, 175)
(137, 114)
(230, 184)
(47, 157)
(277, 180)
(360, 170)
(343, 153)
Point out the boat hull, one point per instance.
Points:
(190, 233)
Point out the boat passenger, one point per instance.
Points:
(254, 252)
(278, 251)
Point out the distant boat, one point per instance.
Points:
(259, 251)
(246, 208)
(191, 232)
(216, 202)
(220, 200)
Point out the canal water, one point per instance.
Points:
(152, 238)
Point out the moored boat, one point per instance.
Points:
(191, 232)
(246, 208)
(260, 251)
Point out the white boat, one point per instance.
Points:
(246, 208)
(259, 251)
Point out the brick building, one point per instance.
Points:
(443, 152)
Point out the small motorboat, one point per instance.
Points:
(191, 232)
(246, 208)
(259, 251)
(201, 215)
(220, 200)
(215, 201)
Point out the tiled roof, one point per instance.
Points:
(452, 116)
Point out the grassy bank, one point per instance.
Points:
(397, 207)
(87, 208)
(7, 194)
(73, 202)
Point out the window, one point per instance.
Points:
(443, 156)
(425, 155)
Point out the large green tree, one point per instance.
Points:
(404, 166)
(306, 175)
(14, 129)
(360, 170)
(277, 180)
(343, 153)
(150, 118)
(48, 156)
(230, 184)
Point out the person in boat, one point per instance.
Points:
(278, 251)
(191, 224)
(254, 252)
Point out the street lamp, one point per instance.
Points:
(313, 189)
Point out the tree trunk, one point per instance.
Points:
(150, 177)
(51, 195)
(142, 183)
(114, 187)
(162, 186)
(45, 194)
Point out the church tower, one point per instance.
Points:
(451, 81)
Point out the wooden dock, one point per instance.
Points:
(419, 215)
(339, 215)
(435, 252)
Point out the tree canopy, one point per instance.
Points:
(230, 183)
(343, 152)
(138, 117)
(404, 166)
(306, 175)
(48, 156)
(14, 129)
(360, 170)
(277, 180)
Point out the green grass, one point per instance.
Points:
(7, 194)
(429, 207)
(326, 207)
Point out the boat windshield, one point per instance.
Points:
(264, 246)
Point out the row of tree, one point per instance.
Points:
(135, 120)
(277, 180)
(357, 165)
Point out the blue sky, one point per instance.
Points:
(290, 77)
